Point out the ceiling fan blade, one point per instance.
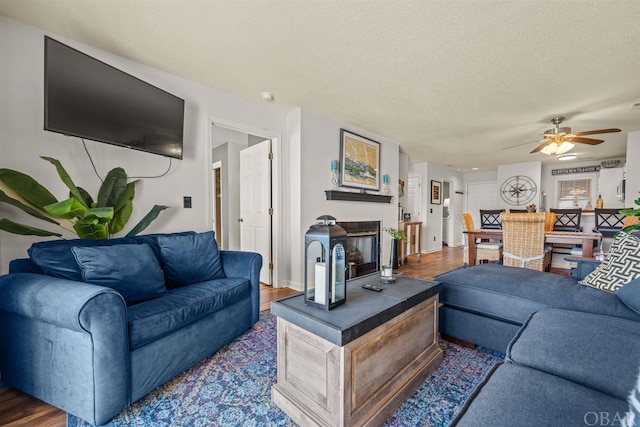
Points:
(519, 145)
(594, 132)
(585, 140)
(540, 147)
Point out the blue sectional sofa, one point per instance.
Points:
(488, 304)
(91, 326)
(572, 351)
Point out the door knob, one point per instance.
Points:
(240, 220)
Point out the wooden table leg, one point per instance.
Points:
(587, 248)
(472, 249)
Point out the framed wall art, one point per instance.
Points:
(436, 192)
(359, 161)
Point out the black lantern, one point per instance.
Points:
(325, 261)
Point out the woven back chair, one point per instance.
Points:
(549, 221)
(489, 251)
(523, 240)
(468, 221)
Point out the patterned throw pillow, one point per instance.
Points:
(621, 266)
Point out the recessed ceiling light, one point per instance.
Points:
(475, 169)
(567, 157)
(267, 96)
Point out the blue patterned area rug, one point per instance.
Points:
(233, 388)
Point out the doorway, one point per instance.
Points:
(217, 202)
(234, 207)
(447, 224)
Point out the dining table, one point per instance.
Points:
(585, 239)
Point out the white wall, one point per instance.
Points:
(632, 169)
(531, 170)
(313, 145)
(432, 219)
(22, 138)
(309, 143)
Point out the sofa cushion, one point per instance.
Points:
(596, 351)
(512, 294)
(191, 258)
(515, 395)
(630, 294)
(151, 320)
(132, 270)
(621, 265)
(54, 257)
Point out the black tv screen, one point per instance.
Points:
(86, 98)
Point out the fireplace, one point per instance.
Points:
(363, 247)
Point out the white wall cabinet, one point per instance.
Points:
(611, 187)
(632, 169)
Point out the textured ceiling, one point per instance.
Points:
(454, 82)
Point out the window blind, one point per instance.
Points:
(575, 193)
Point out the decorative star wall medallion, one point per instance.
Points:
(518, 190)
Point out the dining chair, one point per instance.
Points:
(609, 221)
(490, 218)
(549, 221)
(518, 211)
(489, 251)
(523, 241)
(567, 219)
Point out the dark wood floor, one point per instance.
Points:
(18, 409)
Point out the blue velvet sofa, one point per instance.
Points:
(572, 351)
(91, 326)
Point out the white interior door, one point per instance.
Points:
(481, 196)
(414, 197)
(255, 203)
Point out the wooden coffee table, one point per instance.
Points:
(356, 364)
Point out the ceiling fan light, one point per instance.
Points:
(550, 149)
(564, 147)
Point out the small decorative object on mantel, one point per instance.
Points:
(325, 264)
(385, 184)
(334, 174)
(531, 208)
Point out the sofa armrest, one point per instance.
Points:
(48, 299)
(245, 265)
(66, 343)
(23, 265)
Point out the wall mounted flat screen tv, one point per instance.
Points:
(86, 98)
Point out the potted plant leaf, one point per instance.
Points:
(396, 235)
(632, 212)
(81, 214)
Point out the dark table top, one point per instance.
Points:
(363, 311)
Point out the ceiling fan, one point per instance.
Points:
(559, 140)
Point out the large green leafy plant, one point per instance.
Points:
(80, 213)
(632, 212)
